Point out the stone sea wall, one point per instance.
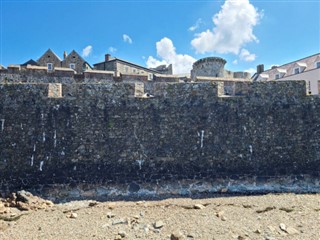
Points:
(104, 135)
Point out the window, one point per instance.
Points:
(49, 65)
(72, 66)
(296, 70)
(127, 69)
(133, 70)
(277, 76)
(317, 64)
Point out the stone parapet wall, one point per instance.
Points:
(102, 133)
(16, 74)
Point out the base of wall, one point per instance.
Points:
(182, 188)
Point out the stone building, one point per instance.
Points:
(307, 69)
(50, 60)
(120, 66)
(74, 61)
(213, 67)
(163, 69)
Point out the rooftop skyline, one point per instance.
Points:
(150, 33)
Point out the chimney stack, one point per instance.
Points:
(64, 55)
(260, 68)
(107, 57)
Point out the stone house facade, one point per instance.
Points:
(120, 66)
(74, 61)
(50, 60)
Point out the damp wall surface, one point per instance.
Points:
(102, 133)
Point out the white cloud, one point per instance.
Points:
(196, 25)
(87, 51)
(246, 55)
(233, 28)
(126, 38)
(181, 63)
(235, 62)
(112, 49)
(251, 71)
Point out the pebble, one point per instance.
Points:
(119, 221)
(118, 237)
(292, 231)
(176, 236)
(258, 231)
(110, 215)
(220, 214)
(158, 224)
(122, 234)
(198, 206)
(269, 238)
(282, 227)
(73, 215)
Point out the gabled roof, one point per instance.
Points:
(49, 51)
(73, 52)
(263, 75)
(129, 63)
(301, 64)
(30, 62)
(305, 64)
(281, 70)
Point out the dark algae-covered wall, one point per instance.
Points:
(104, 133)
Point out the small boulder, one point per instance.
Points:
(122, 234)
(177, 236)
(283, 227)
(198, 206)
(158, 224)
(73, 215)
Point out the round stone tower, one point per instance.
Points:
(208, 67)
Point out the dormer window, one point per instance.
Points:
(72, 66)
(49, 66)
(299, 67)
(263, 77)
(318, 64)
(280, 73)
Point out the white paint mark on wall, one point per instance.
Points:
(31, 162)
(244, 128)
(250, 149)
(55, 138)
(42, 116)
(34, 147)
(41, 165)
(201, 140)
(2, 125)
(75, 168)
(43, 137)
(21, 126)
(140, 163)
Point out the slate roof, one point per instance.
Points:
(129, 63)
(305, 64)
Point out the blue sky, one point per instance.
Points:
(245, 33)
